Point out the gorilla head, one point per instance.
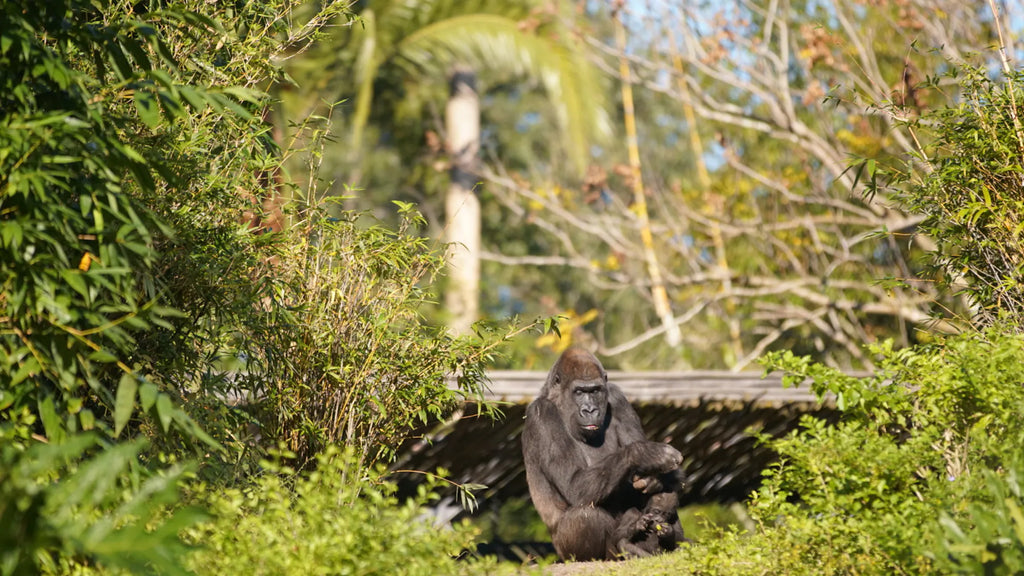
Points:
(578, 385)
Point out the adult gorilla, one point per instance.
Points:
(590, 469)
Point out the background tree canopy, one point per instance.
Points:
(760, 132)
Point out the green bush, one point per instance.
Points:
(919, 440)
(987, 535)
(62, 510)
(132, 142)
(922, 475)
(73, 243)
(340, 518)
(351, 360)
(968, 182)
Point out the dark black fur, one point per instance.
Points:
(653, 529)
(591, 471)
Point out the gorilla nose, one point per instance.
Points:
(589, 410)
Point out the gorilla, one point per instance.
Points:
(603, 490)
(655, 528)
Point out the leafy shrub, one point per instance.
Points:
(919, 439)
(987, 536)
(117, 120)
(968, 183)
(61, 508)
(352, 361)
(132, 142)
(73, 243)
(340, 518)
(922, 475)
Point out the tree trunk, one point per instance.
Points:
(462, 207)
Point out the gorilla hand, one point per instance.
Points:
(661, 458)
(647, 484)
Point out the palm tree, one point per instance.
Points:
(461, 205)
(438, 39)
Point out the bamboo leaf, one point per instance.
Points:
(124, 404)
(147, 395)
(164, 411)
(51, 422)
(148, 107)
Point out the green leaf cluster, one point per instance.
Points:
(339, 518)
(140, 295)
(920, 475)
(988, 536)
(60, 509)
(77, 247)
(967, 181)
(349, 359)
(922, 447)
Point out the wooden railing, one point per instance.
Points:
(680, 388)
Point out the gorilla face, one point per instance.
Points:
(591, 400)
(578, 385)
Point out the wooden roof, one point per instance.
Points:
(662, 387)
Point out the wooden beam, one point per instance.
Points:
(666, 387)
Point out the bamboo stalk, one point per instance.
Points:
(1007, 70)
(658, 292)
(705, 184)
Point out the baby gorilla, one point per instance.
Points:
(653, 529)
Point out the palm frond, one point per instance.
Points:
(498, 44)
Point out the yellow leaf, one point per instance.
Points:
(587, 317)
(85, 262)
(549, 339)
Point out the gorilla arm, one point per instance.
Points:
(543, 442)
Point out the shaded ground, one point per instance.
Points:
(522, 555)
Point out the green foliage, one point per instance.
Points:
(61, 508)
(922, 475)
(132, 143)
(989, 536)
(351, 361)
(968, 183)
(119, 121)
(921, 438)
(73, 243)
(337, 519)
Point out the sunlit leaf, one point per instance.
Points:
(164, 411)
(124, 404)
(149, 109)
